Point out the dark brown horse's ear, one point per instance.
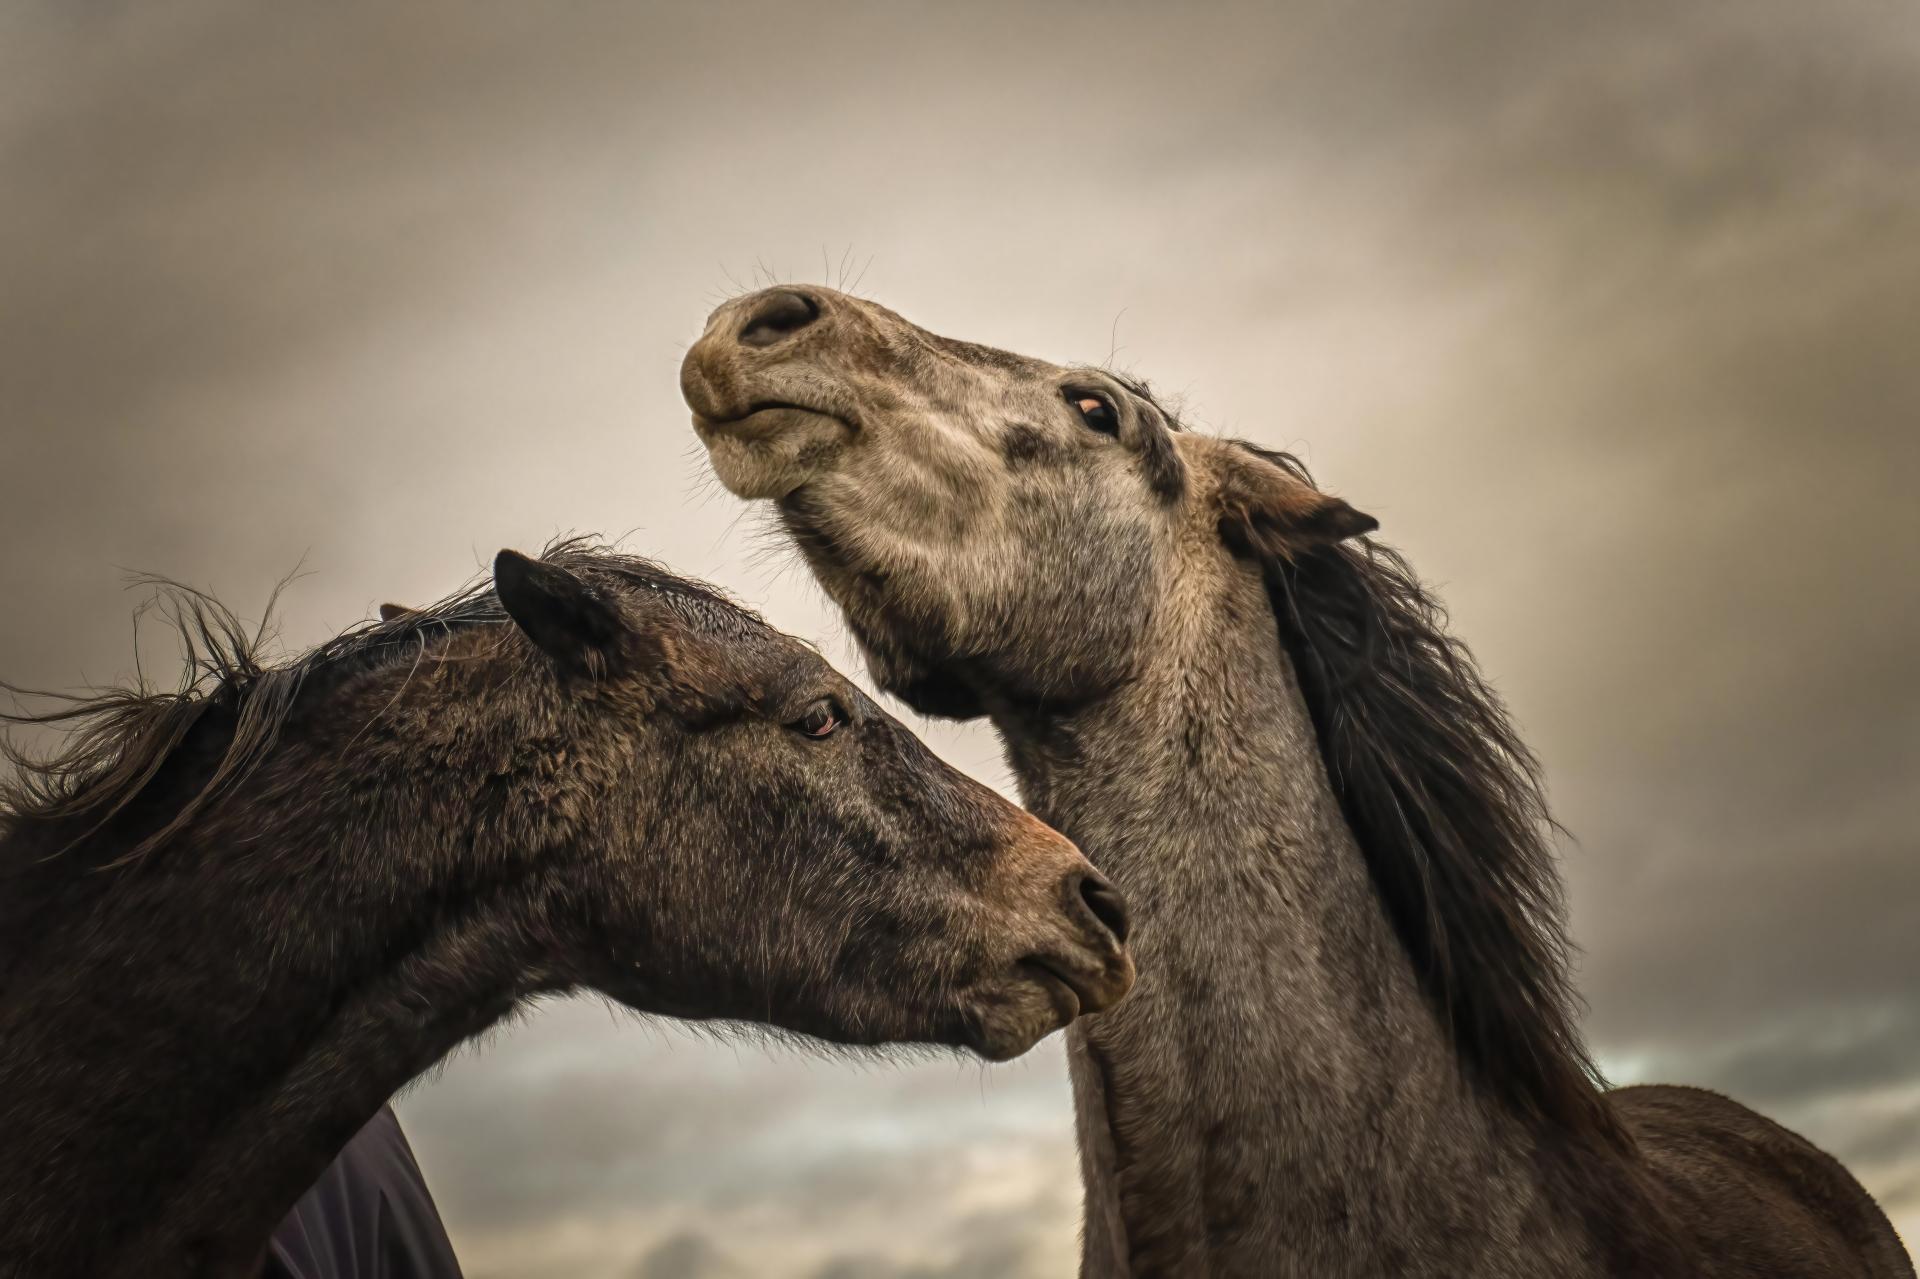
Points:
(1269, 508)
(390, 611)
(561, 613)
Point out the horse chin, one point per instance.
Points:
(1003, 1041)
(1012, 1019)
(770, 453)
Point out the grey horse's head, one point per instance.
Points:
(986, 520)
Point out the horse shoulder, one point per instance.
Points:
(1756, 1197)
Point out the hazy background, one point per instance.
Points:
(1609, 311)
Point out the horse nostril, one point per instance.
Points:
(777, 314)
(1107, 905)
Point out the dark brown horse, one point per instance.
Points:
(234, 920)
(1353, 1050)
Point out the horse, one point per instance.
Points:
(1354, 1048)
(235, 918)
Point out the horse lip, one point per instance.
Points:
(980, 1037)
(739, 424)
(1069, 993)
(1073, 990)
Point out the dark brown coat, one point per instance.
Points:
(234, 920)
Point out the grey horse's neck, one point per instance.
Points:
(1276, 1097)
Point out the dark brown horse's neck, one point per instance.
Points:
(1276, 1096)
(183, 1053)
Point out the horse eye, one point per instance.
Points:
(821, 719)
(1095, 412)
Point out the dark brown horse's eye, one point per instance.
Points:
(821, 719)
(1095, 412)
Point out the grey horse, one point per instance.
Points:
(1353, 1050)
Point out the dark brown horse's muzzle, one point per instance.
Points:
(1077, 938)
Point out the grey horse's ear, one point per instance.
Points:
(1270, 509)
(563, 615)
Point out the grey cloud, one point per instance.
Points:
(1891, 1142)
(687, 1256)
(998, 1245)
(610, 1112)
(1803, 1060)
(998, 1260)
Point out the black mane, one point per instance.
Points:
(1447, 806)
(119, 739)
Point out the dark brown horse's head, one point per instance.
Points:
(234, 918)
(754, 839)
(987, 520)
(645, 787)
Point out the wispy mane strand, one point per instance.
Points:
(119, 739)
(1446, 804)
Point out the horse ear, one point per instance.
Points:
(1269, 508)
(390, 611)
(560, 612)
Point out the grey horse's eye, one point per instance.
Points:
(820, 720)
(1095, 411)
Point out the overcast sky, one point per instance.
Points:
(1609, 311)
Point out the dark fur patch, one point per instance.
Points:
(1023, 443)
(1166, 473)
